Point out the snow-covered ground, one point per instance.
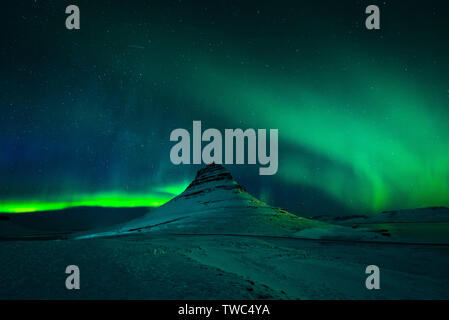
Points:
(146, 266)
(216, 241)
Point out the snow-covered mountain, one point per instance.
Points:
(214, 203)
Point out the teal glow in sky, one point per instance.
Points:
(362, 115)
(387, 138)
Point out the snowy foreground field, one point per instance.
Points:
(216, 241)
(221, 267)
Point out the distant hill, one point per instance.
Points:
(65, 221)
(429, 225)
(431, 214)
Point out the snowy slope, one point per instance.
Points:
(432, 214)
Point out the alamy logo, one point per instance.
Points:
(72, 21)
(373, 280)
(73, 280)
(213, 151)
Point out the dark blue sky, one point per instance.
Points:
(362, 115)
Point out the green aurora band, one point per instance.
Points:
(362, 116)
(386, 148)
(106, 199)
(386, 138)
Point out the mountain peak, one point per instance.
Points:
(213, 176)
(211, 168)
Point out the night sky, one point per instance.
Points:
(363, 116)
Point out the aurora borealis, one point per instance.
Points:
(112, 200)
(362, 115)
